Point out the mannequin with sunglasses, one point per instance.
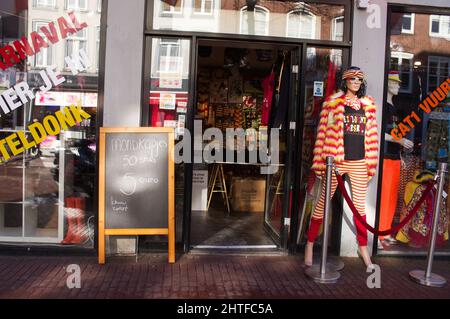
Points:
(347, 131)
(391, 160)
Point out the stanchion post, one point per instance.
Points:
(322, 274)
(427, 278)
(326, 218)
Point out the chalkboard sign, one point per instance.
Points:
(136, 187)
(136, 180)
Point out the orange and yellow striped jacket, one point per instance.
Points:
(330, 134)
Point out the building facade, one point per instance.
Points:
(165, 64)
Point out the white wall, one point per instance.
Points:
(123, 63)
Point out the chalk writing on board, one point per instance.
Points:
(119, 206)
(151, 148)
(129, 160)
(136, 179)
(128, 184)
(148, 180)
(133, 160)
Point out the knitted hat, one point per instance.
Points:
(394, 76)
(353, 71)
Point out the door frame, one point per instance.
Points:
(295, 65)
(294, 100)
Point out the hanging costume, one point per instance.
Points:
(268, 85)
(417, 232)
(348, 132)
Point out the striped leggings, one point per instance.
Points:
(357, 171)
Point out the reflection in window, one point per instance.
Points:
(440, 26)
(45, 56)
(97, 49)
(438, 71)
(177, 8)
(203, 6)
(277, 18)
(301, 24)
(76, 42)
(170, 56)
(310, 58)
(406, 170)
(55, 177)
(336, 56)
(338, 29)
(403, 62)
(45, 3)
(408, 23)
(76, 5)
(254, 22)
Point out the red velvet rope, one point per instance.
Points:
(370, 228)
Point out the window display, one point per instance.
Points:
(50, 192)
(411, 161)
(392, 161)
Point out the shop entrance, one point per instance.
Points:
(245, 97)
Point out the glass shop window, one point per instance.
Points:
(295, 19)
(412, 158)
(48, 189)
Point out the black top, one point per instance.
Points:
(354, 133)
(391, 149)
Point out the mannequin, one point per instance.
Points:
(392, 161)
(348, 132)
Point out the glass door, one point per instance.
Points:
(279, 180)
(166, 104)
(323, 67)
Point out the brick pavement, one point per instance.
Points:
(207, 276)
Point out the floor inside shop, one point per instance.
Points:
(222, 230)
(230, 95)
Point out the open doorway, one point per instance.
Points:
(241, 86)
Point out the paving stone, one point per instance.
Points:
(208, 276)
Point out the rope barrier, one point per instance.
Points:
(370, 228)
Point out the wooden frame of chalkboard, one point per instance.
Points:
(119, 216)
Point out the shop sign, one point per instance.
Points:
(54, 98)
(70, 98)
(170, 81)
(167, 101)
(49, 98)
(200, 190)
(90, 99)
(136, 184)
(182, 107)
(318, 88)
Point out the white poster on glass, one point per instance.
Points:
(200, 190)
